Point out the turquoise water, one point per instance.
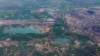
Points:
(24, 30)
(61, 40)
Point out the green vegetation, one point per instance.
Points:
(58, 30)
(27, 37)
(26, 42)
(86, 51)
(22, 14)
(20, 36)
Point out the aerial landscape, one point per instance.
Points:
(49, 28)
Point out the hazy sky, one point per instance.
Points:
(1, 0)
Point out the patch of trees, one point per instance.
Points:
(59, 27)
(81, 37)
(96, 29)
(91, 12)
(86, 51)
(27, 37)
(57, 30)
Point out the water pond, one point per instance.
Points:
(21, 30)
(61, 40)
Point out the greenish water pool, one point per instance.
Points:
(24, 30)
(61, 40)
